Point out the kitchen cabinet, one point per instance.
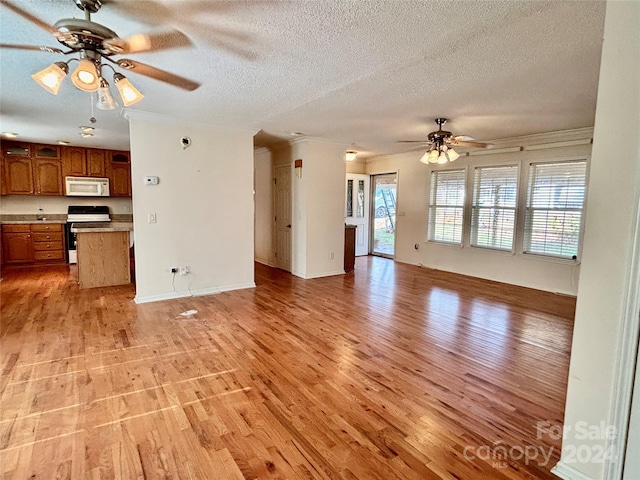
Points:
(83, 162)
(48, 177)
(48, 242)
(74, 160)
(45, 151)
(119, 172)
(16, 149)
(16, 244)
(18, 176)
(38, 169)
(95, 162)
(33, 243)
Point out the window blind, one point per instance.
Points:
(446, 206)
(555, 199)
(493, 211)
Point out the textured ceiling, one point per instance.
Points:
(359, 72)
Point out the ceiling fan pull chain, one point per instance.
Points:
(91, 100)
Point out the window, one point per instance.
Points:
(555, 199)
(495, 194)
(446, 206)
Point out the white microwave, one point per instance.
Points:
(86, 187)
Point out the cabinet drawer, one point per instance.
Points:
(48, 255)
(46, 227)
(20, 228)
(47, 246)
(47, 237)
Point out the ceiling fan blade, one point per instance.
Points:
(148, 42)
(163, 76)
(28, 16)
(32, 47)
(414, 141)
(471, 144)
(464, 138)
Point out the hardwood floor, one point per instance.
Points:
(388, 372)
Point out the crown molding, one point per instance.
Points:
(544, 138)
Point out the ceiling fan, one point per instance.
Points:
(96, 44)
(440, 144)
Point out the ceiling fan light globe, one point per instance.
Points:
(433, 156)
(129, 94)
(85, 77)
(425, 158)
(442, 159)
(105, 99)
(453, 155)
(51, 77)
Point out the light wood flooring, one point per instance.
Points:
(389, 372)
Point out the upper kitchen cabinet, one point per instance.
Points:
(17, 176)
(83, 162)
(119, 173)
(48, 176)
(45, 151)
(37, 169)
(16, 149)
(74, 162)
(95, 162)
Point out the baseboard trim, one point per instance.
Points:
(566, 472)
(193, 293)
(268, 263)
(319, 275)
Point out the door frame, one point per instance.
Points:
(372, 198)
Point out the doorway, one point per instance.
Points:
(383, 214)
(283, 217)
(357, 209)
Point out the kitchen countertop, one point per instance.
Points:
(102, 227)
(24, 219)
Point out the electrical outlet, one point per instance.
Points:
(184, 270)
(152, 218)
(332, 255)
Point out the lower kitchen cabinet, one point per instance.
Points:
(16, 244)
(33, 243)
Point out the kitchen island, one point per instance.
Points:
(103, 253)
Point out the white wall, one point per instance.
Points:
(324, 175)
(554, 275)
(613, 197)
(356, 166)
(264, 207)
(28, 205)
(317, 206)
(203, 204)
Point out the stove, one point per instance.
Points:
(82, 214)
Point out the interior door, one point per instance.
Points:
(283, 217)
(357, 209)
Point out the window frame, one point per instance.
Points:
(523, 160)
(463, 207)
(515, 209)
(525, 192)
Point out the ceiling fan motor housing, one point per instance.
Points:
(89, 5)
